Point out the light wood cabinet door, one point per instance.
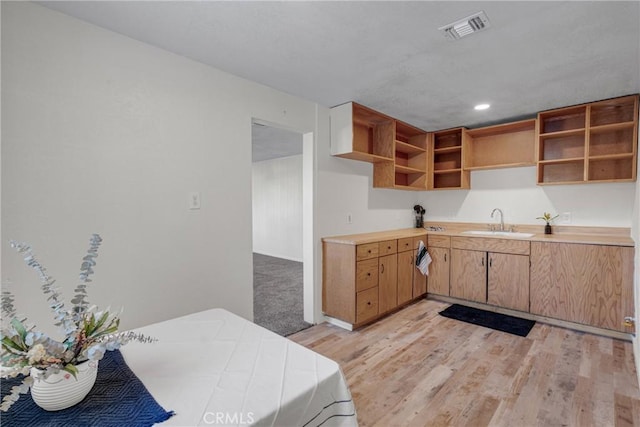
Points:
(438, 281)
(405, 276)
(387, 283)
(588, 284)
(419, 279)
(508, 281)
(468, 275)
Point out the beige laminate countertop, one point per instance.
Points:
(586, 235)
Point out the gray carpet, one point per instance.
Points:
(277, 294)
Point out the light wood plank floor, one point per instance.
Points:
(416, 368)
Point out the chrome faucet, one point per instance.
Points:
(501, 217)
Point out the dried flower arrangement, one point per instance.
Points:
(88, 333)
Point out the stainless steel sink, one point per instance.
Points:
(514, 234)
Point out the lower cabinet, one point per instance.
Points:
(411, 282)
(469, 275)
(364, 281)
(438, 280)
(588, 284)
(491, 276)
(387, 283)
(508, 281)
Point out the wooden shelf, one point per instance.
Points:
(408, 170)
(359, 133)
(563, 119)
(454, 149)
(446, 157)
(407, 148)
(595, 142)
(560, 161)
(500, 146)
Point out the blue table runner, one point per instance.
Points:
(117, 399)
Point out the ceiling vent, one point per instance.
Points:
(464, 27)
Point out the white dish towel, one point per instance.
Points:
(423, 259)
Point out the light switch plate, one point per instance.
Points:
(194, 200)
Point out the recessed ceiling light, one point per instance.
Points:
(481, 107)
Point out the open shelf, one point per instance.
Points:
(561, 172)
(360, 133)
(611, 168)
(404, 147)
(617, 110)
(595, 142)
(563, 119)
(565, 145)
(504, 145)
(446, 160)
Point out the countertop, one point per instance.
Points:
(614, 236)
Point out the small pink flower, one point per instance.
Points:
(67, 376)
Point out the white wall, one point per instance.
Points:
(105, 134)
(514, 190)
(277, 207)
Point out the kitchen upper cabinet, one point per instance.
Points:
(595, 142)
(508, 281)
(397, 150)
(588, 284)
(469, 275)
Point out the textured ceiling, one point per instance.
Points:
(271, 142)
(390, 56)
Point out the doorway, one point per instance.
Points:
(280, 227)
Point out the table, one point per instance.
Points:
(216, 368)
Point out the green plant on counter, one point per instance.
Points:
(547, 217)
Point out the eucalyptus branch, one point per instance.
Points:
(86, 270)
(48, 286)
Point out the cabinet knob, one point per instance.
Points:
(368, 274)
(368, 302)
(389, 247)
(381, 268)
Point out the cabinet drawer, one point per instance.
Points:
(370, 250)
(405, 244)
(440, 241)
(366, 274)
(366, 304)
(388, 247)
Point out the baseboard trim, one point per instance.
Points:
(543, 319)
(339, 323)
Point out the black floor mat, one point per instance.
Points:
(488, 319)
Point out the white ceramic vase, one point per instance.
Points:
(62, 390)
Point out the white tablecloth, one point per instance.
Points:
(216, 368)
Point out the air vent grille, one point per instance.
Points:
(464, 27)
